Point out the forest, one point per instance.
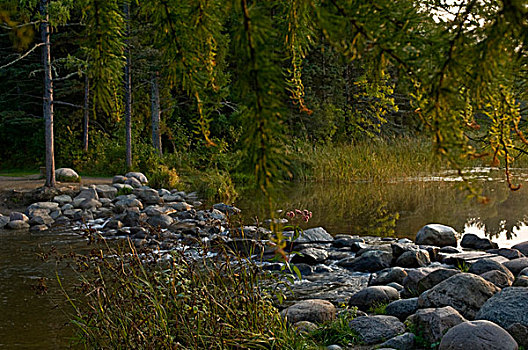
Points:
(255, 92)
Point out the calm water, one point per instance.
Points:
(28, 320)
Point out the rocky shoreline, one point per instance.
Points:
(439, 290)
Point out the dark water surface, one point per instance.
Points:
(28, 320)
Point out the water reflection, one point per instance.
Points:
(401, 208)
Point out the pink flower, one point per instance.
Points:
(290, 214)
(297, 211)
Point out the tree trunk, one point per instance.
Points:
(86, 122)
(48, 94)
(128, 90)
(156, 113)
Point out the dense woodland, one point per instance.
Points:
(238, 88)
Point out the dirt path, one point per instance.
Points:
(12, 189)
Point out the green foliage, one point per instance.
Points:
(337, 331)
(462, 266)
(419, 339)
(124, 191)
(164, 177)
(378, 308)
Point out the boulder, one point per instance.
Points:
(312, 310)
(473, 241)
(485, 265)
(17, 225)
(346, 241)
(62, 199)
(437, 235)
(38, 228)
(516, 265)
(506, 307)
(137, 175)
(106, 191)
(392, 274)
(401, 342)
(373, 296)
(435, 277)
(498, 278)
(163, 221)
(305, 326)
(376, 329)
(148, 195)
(42, 219)
(464, 292)
(180, 206)
(119, 179)
(66, 175)
(468, 258)
(3, 221)
(310, 256)
(478, 335)
(509, 253)
(90, 204)
(519, 332)
(410, 283)
(132, 182)
(371, 261)
(17, 216)
(314, 235)
(402, 308)
(522, 247)
(87, 193)
(432, 323)
(413, 258)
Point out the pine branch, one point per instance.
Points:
(22, 56)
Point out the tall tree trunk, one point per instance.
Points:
(86, 122)
(48, 94)
(156, 113)
(128, 90)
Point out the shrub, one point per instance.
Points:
(164, 177)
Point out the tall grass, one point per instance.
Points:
(130, 299)
(376, 159)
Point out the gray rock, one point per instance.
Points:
(132, 182)
(437, 235)
(67, 207)
(66, 174)
(314, 235)
(413, 258)
(137, 175)
(123, 187)
(506, 307)
(17, 216)
(119, 179)
(498, 278)
(224, 208)
(87, 193)
(521, 281)
(450, 250)
(432, 323)
(371, 261)
(410, 283)
(478, 335)
(400, 248)
(402, 308)
(519, 332)
(516, 265)
(38, 228)
(509, 253)
(400, 342)
(90, 204)
(148, 195)
(312, 310)
(106, 191)
(334, 347)
(17, 225)
(124, 204)
(371, 297)
(82, 215)
(468, 258)
(393, 274)
(473, 241)
(435, 277)
(376, 329)
(464, 291)
(485, 265)
(305, 326)
(113, 224)
(71, 213)
(396, 286)
(522, 247)
(42, 219)
(310, 256)
(62, 199)
(346, 241)
(180, 206)
(168, 198)
(163, 221)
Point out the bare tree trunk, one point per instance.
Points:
(86, 122)
(48, 94)
(128, 90)
(156, 113)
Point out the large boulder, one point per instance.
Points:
(516, 265)
(48, 206)
(477, 335)
(432, 323)
(314, 235)
(87, 193)
(413, 258)
(310, 256)
(66, 175)
(473, 241)
(163, 221)
(506, 307)
(435, 277)
(522, 247)
(148, 195)
(370, 261)
(3, 221)
(498, 278)
(465, 292)
(17, 216)
(376, 329)
(62, 199)
(373, 296)
(393, 274)
(519, 333)
(312, 310)
(437, 235)
(106, 191)
(486, 265)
